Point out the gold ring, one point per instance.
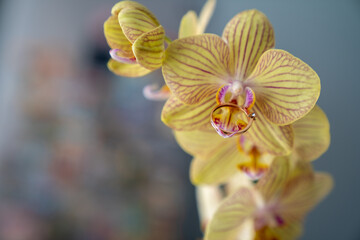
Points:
(226, 133)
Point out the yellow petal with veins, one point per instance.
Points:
(195, 67)
(215, 158)
(127, 70)
(201, 143)
(302, 193)
(133, 5)
(116, 38)
(286, 88)
(270, 138)
(183, 117)
(219, 166)
(232, 215)
(149, 48)
(135, 22)
(275, 178)
(312, 135)
(248, 34)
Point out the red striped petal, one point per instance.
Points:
(286, 88)
(195, 67)
(248, 34)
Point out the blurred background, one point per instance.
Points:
(84, 156)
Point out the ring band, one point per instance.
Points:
(251, 117)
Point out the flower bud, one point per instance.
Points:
(135, 37)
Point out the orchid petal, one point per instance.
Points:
(136, 21)
(151, 92)
(201, 143)
(215, 158)
(116, 38)
(274, 179)
(248, 34)
(195, 67)
(270, 138)
(302, 193)
(182, 117)
(312, 135)
(188, 25)
(149, 48)
(208, 199)
(219, 165)
(127, 70)
(205, 15)
(134, 5)
(231, 215)
(286, 88)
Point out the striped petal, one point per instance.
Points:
(195, 67)
(149, 48)
(286, 88)
(312, 135)
(183, 117)
(270, 138)
(188, 25)
(274, 179)
(133, 5)
(201, 143)
(116, 38)
(215, 158)
(302, 193)
(232, 215)
(127, 70)
(220, 164)
(248, 34)
(135, 21)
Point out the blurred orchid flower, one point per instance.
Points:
(217, 159)
(272, 209)
(190, 25)
(238, 74)
(136, 40)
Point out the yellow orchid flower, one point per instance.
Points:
(272, 209)
(238, 74)
(136, 40)
(190, 25)
(217, 159)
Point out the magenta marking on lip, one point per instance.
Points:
(279, 220)
(113, 54)
(250, 98)
(222, 93)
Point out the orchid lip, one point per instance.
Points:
(116, 57)
(226, 133)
